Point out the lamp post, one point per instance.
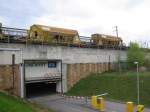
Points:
(138, 86)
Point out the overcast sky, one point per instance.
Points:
(87, 16)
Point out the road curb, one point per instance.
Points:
(73, 97)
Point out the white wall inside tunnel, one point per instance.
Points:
(58, 87)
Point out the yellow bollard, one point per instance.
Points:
(100, 103)
(140, 108)
(94, 102)
(130, 107)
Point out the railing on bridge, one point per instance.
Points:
(13, 34)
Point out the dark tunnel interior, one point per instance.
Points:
(40, 89)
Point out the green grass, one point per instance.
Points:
(12, 104)
(121, 87)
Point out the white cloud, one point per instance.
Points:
(4, 21)
(1, 19)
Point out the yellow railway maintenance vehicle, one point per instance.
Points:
(106, 40)
(48, 34)
(40, 34)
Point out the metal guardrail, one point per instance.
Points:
(87, 98)
(104, 94)
(15, 35)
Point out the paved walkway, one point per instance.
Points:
(61, 104)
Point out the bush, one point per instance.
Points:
(135, 54)
(147, 63)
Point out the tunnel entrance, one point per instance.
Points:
(40, 89)
(42, 77)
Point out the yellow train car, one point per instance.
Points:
(101, 39)
(48, 34)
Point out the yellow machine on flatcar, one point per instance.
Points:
(47, 34)
(53, 35)
(101, 39)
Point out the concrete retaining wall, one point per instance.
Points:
(6, 79)
(64, 53)
(75, 72)
(77, 62)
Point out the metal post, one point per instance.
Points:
(61, 79)
(94, 102)
(1, 35)
(140, 108)
(119, 49)
(138, 86)
(138, 81)
(129, 107)
(86, 100)
(13, 71)
(100, 103)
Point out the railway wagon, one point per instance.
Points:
(8, 34)
(101, 39)
(48, 34)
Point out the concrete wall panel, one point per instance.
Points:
(75, 72)
(6, 79)
(66, 54)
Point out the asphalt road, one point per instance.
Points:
(61, 104)
(118, 107)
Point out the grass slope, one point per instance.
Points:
(11, 104)
(120, 87)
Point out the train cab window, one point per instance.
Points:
(36, 34)
(56, 38)
(0, 30)
(52, 64)
(61, 38)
